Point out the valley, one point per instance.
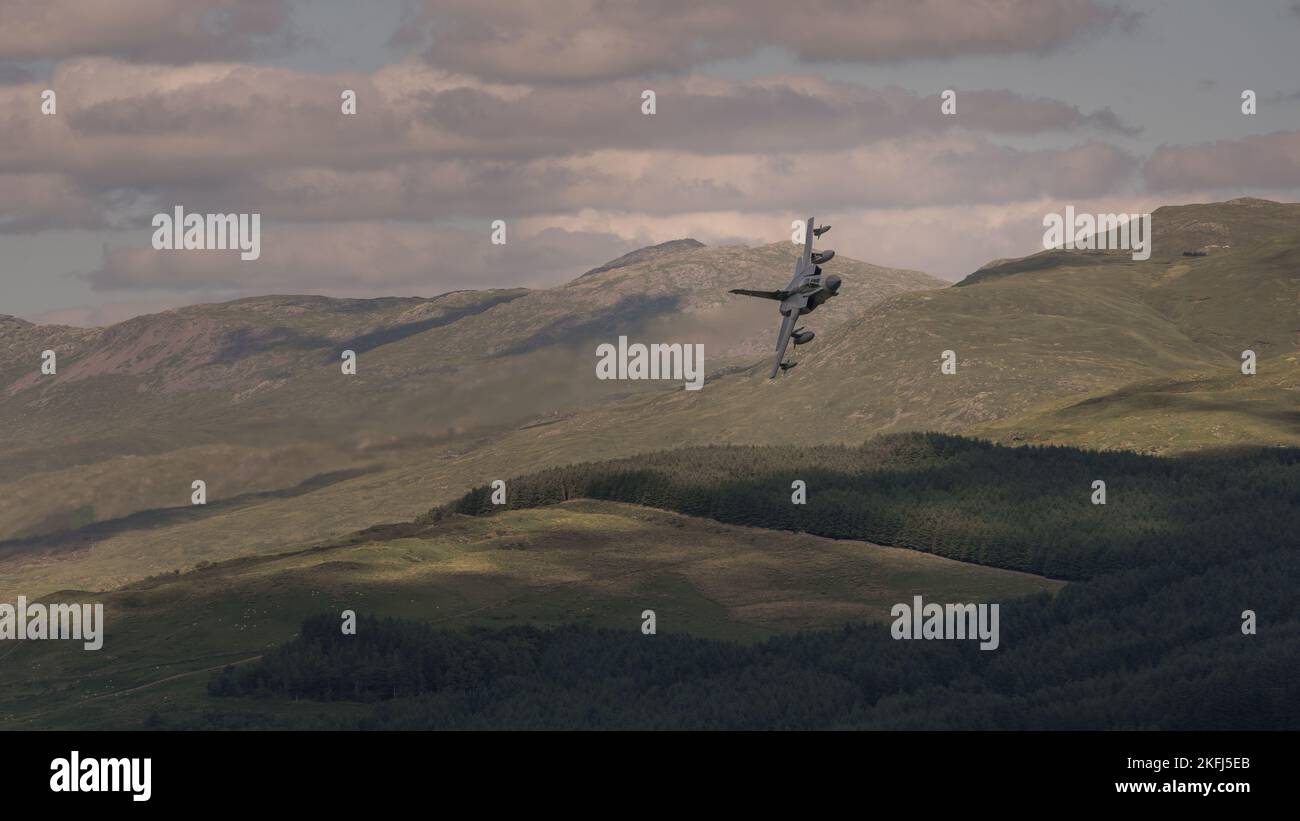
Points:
(584, 562)
(368, 492)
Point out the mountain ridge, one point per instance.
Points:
(646, 253)
(1194, 227)
(1122, 354)
(213, 384)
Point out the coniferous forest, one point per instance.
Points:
(1148, 634)
(1026, 508)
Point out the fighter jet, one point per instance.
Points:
(802, 296)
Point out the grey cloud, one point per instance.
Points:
(247, 138)
(755, 116)
(888, 174)
(1263, 161)
(578, 40)
(361, 258)
(12, 75)
(35, 202)
(1283, 97)
(165, 31)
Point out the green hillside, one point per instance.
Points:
(1096, 350)
(959, 498)
(1180, 414)
(1184, 616)
(749, 602)
(140, 409)
(1057, 326)
(585, 562)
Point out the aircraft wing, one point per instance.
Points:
(778, 295)
(783, 340)
(804, 265)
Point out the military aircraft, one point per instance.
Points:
(802, 296)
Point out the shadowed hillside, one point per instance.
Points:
(1153, 637)
(757, 625)
(959, 498)
(586, 562)
(1099, 351)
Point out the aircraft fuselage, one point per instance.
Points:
(806, 301)
(807, 290)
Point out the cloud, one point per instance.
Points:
(586, 40)
(797, 114)
(362, 259)
(949, 241)
(894, 173)
(121, 123)
(591, 213)
(1263, 161)
(1283, 97)
(891, 173)
(134, 139)
(34, 202)
(12, 75)
(164, 31)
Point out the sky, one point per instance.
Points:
(472, 111)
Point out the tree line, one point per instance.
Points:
(1148, 636)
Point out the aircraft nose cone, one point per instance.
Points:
(832, 283)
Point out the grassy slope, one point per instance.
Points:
(1158, 419)
(209, 382)
(1188, 412)
(1090, 323)
(600, 563)
(1096, 350)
